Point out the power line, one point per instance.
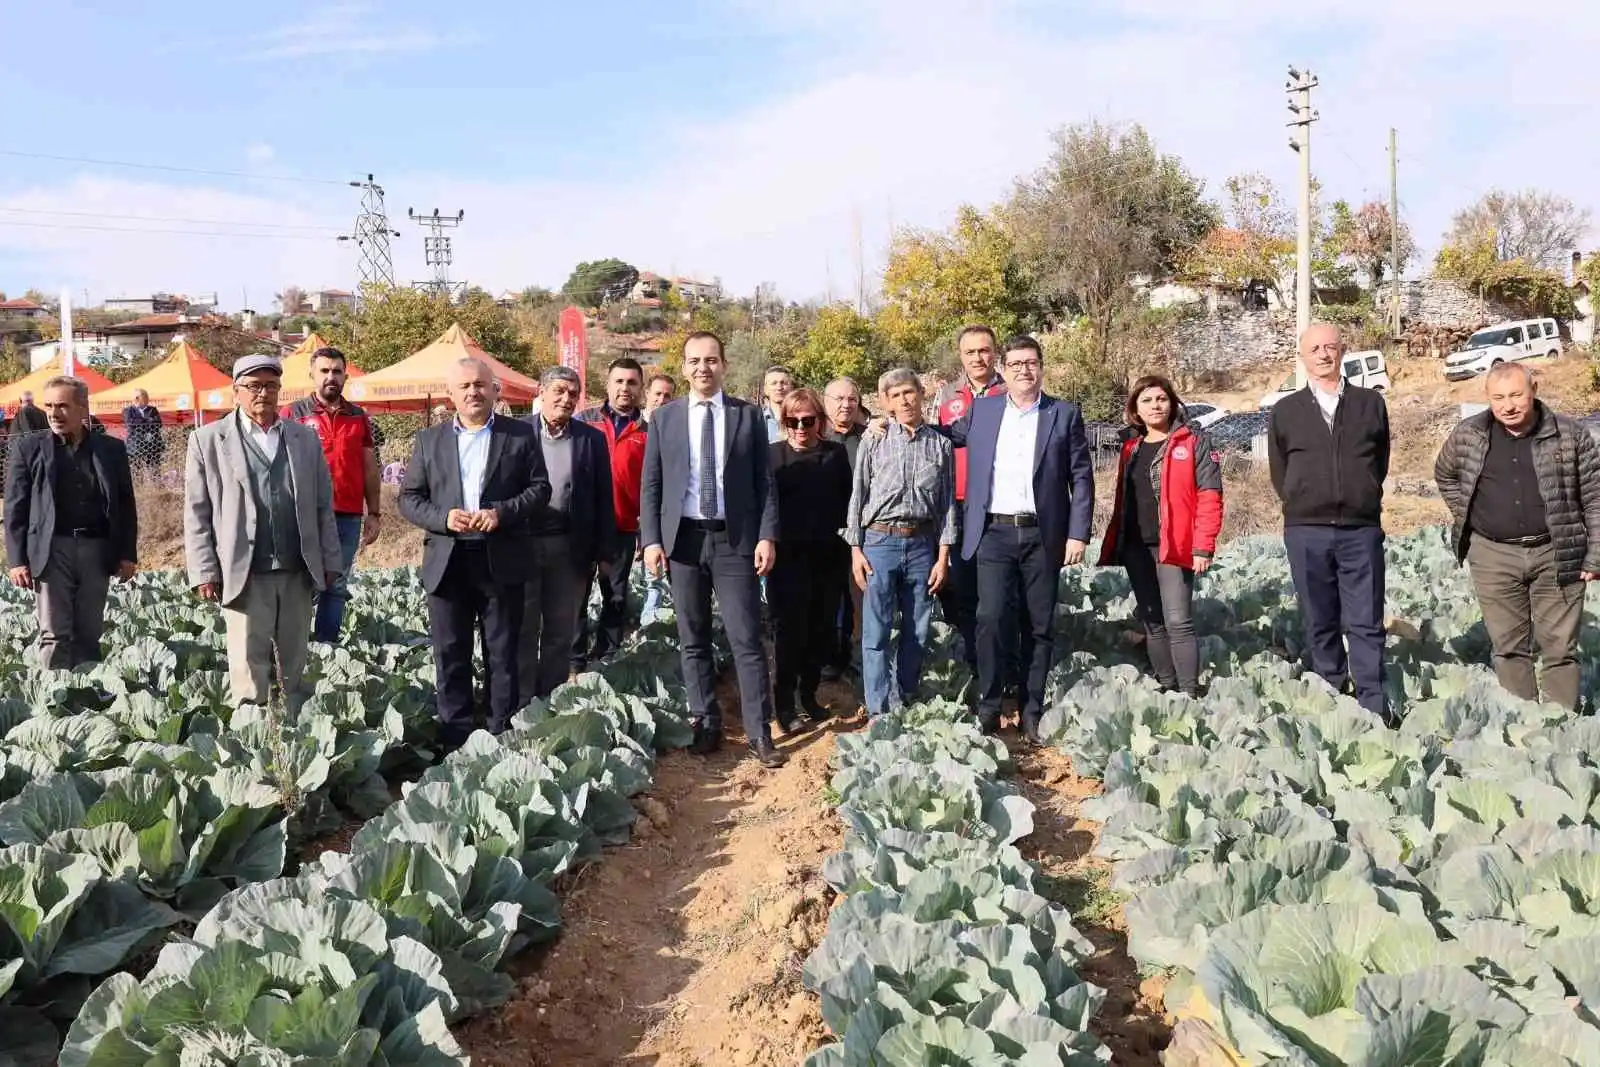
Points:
(169, 169)
(165, 218)
(182, 233)
(436, 249)
(372, 235)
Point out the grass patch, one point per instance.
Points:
(1086, 893)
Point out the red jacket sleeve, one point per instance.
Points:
(1208, 495)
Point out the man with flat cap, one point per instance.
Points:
(259, 535)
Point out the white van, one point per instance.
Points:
(1507, 342)
(1368, 369)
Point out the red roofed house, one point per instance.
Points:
(22, 309)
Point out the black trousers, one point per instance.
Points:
(1338, 577)
(959, 602)
(703, 563)
(596, 641)
(1016, 576)
(804, 593)
(1165, 598)
(469, 599)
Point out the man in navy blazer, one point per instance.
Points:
(1029, 508)
(708, 514)
(572, 535)
(474, 485)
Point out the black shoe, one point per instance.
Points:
(988, 729)
(815, 711)
(831, 674)
(1030, 734)
(767, 756)
(792, 724)
(706, 742)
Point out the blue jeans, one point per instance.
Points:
(331, 601)
(898, 588)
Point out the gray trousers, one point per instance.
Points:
(552, 600)
(269, 626)
(71, 602)
(1524, 607)
(1165, 598)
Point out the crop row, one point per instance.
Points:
(133, 801)
(941, 951)
(1324, 890)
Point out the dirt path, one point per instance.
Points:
(684, 947)
(1132, 1022)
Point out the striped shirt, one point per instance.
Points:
(903, 479)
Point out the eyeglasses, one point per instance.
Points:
(1022, 364)
(802, 422)
(259, 388)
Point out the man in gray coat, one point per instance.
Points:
(258, 532)
(1523, 487)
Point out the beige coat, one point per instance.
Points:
(219, 513)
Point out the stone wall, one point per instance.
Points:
(1439, 303)
(1230, 338)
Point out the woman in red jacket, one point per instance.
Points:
(1165, 518)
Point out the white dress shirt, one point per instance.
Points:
(269, 440)
(472, 449)
(1012, 490)
(1328, 402)
(697, 415)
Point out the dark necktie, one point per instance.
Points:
(708, 461)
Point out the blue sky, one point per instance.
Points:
(735, 138)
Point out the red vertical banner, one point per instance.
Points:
(575, 348)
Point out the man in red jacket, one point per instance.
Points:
(623, 423)
(350, 445)
(979, 350)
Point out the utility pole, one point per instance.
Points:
(1299, 88)
(1394, 239)
(372, 235)
(861, 266)
(436, 251)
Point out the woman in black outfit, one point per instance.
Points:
(1165, 518)
(812, 478)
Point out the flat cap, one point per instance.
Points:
(250, 364)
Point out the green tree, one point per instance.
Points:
(1365, 236)
(937, 282)
(1476, 266)
(222, 345)
(840, 342)
(1256, 244)
(600, 281)
(1106, 207)
(391, 324)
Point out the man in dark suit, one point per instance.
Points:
(1029, 508)
(572, 536)
(70, 523)
(143, 424)
(707, 506)
(475, 484)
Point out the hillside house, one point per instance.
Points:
(155, 304)
(693, 290)
(22, 308)
(649, 287)
(324, 301)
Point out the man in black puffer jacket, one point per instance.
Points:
(1328, 450)
(1523, 487)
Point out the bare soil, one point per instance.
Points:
(684, 947)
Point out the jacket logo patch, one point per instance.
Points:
(1216, 457)
(1180, 453)
(957, 407)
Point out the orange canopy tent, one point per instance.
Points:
(420, 380)
(183, 384)
(297, 369)
(11, 395)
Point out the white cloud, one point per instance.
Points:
(259, 153)
(912, 108)
(355, 30)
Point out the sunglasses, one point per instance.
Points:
(803, 422)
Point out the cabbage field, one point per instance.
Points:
(1317, 889)
(144, 912)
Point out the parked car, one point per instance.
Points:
(1368, 369)
(1238, 432)
(1507, 342)
(1202, 415)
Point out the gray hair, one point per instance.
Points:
(1503, 370)
(851, 382)
(474, 361)
(79, 387)
(889, 379)
(560, 374)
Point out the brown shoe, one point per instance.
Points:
(767, 756)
